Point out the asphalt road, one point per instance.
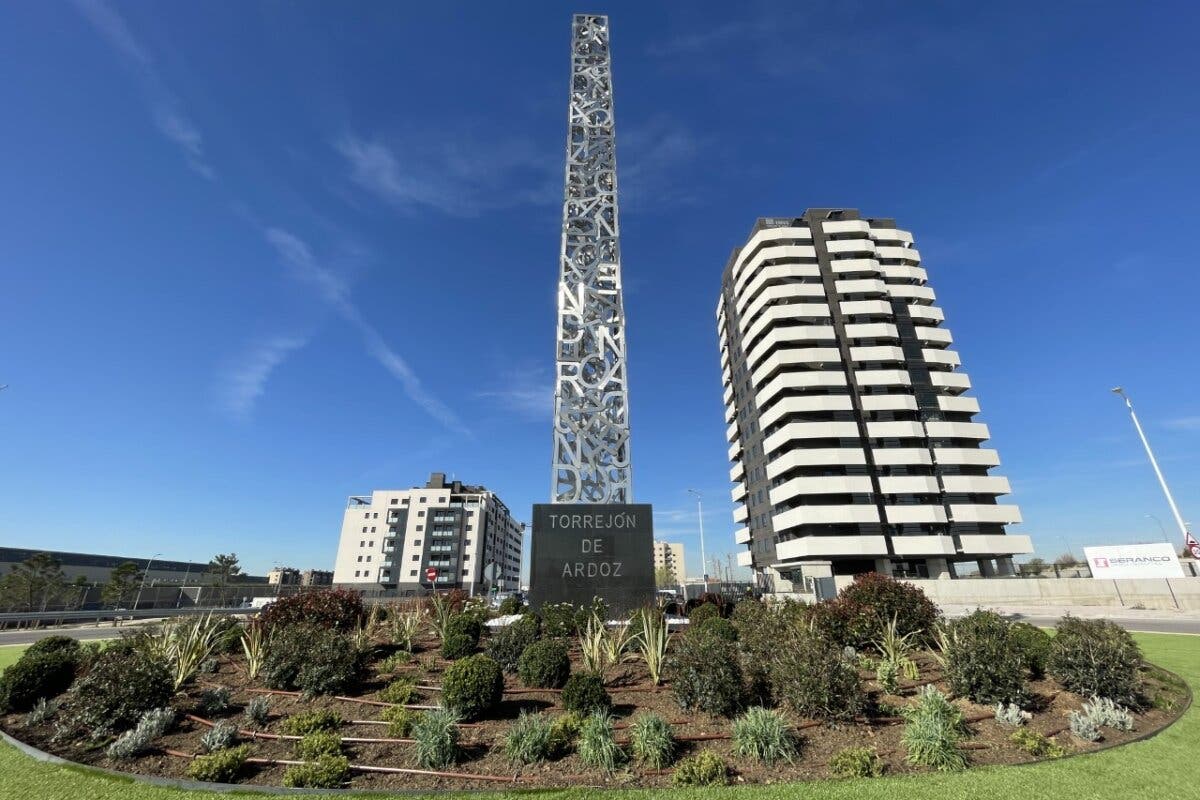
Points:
(87, 634)
(1156, 625)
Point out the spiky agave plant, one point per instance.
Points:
(440, 613)
(897, 649)
(619, 641)
(191, 643)
(405, 627)
(653, 641)
(254, 645)
(592, 645)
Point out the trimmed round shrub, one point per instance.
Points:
(37, 675)
(813, 676)
(317, 744)
(544, 665)
(305, 722)
(857, 615)
(1096, 658)
(310, 659)
(472, 686)
(510, 605)
(984, 659)
(508, 643)
(703, 612)
(584, 693)
(856, 762)
(53, 644)
(121, 685)
(462, 636)
(327, 772)
(1034, 644)
(558, 619)
(223, 766)
(716, 626)
(336, 609)
(705, 673)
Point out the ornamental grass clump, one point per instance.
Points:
(651, 741)
(764, 735)
(652, 642)
(933, 732)
(254, 640)
(436, 735)
(405, 626)
(597, 745)
(530, 739)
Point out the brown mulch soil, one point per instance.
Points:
(632, 693)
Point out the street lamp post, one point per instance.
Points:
(1153, 462)
(700, 519)
(142, 585)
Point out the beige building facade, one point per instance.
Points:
(669, 555)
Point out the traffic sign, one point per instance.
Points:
(431, 574)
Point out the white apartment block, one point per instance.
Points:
(852, 438)
(669, 555)
(391, 537)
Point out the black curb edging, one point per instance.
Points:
(250, 788)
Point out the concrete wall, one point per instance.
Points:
(1164, 593)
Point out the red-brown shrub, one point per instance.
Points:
(338, 609)
(856, 617)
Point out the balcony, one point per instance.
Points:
(737, 471)
(746, 270)
(822, 484)
(804, 405)
(967, 405)
(925, 313)
(866, 308)
(895, 429)
(967, 456)
(738, 493)
(910, 254)
(815, 457)
(742, 536)
(951, 382)
(882, 377)
(909, 484)
(930, 335)
(776, 337)
(851, 246)
(745, 558)
(810, 430)
(871, 286)
(923, 545)
(872, 330)
(824, 515)
(916, 514)
(957, 430)
(740, 514)
(735, 449)
(888, 402)
(772, 294)
(914, 294)
(903, 273)
(836, 226)
(996, 545)
(811, 357)
(944, 358)
(856, 266)
(731, 433)
(1004, 515)
(900, 456)
(976, 484)
(814, 379)
(831, 546)
(876, 353)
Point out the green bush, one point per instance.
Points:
(584, 693)
(257, 711)
(856, 762)
(764, 735)
(984, 660)
(399, 692)
(336, 609)
(1096, 658)
(564, 731)
(214, 700)
(558, 620)
(1036, 744)
(306, 722)
(652, 741)
(395, 661)
(312, 659)
(544, 665)
(703, 769)
(1034, 644)
(510, 605)
(436, 735)
(597, 746)
(327, 772)
(508, 643)
(759, 628)
(530, 739)
(223, 766)
(54, 644)
(702, 612)
(814, 677)
(319, 744)
(219, 737)
(472, 686)
(933, 730)
(121, 685)
(716, 626)
(705, 673)
(462, 636)
(400, 721)
(37, 675)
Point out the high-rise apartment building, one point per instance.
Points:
(669, 556)
(852, 439)
(391, 537)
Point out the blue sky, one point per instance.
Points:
(257, 257)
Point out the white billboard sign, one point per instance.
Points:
(1134, 561)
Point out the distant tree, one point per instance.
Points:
(35, 584)
(122, 583)
(224, 569)
(664, 576)
(1066, 560)
(1034, 566)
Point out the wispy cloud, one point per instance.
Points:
(1184, 423)
(165, 109)
(654, 159)
(463, 177)
(696, 42)
(527, 391)
(244, 381)
(306, 269)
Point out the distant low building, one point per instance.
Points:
(283, 576)
(316, 577)
(96, 568)
(668, 556)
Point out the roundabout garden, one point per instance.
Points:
(320, 691)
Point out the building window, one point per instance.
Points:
(364, 529)
(412, 573)
(420, 527)
(371, 543)
(468, 526)
(372, 529)
(356, 573)
(467, 557)
(417, 557)
(416, 543)
(360, 559)
(362, 542)
(421, 499)
(375, 515)
(367, 515)
(368, 559)
(394, 501)
(421, 513)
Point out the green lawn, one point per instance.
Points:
(1160, 768)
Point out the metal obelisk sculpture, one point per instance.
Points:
(591, 541)
(591, 403)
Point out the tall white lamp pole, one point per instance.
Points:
(141, 586)
(700, 519)
(1154, 463)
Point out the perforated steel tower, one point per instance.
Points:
(591, 404)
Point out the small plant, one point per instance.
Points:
(1036, 744)
(42, 710)
(319, 744)
(887, 675)
(529, 740)
(1107, 714)
(395, 661)
(436, 735)
(327, 772)
(584, 693)
(591, 646)
(472, 686)
(933, 732)
(1083, 727)
(219, 737)
(653, 641)
(896, 651)
(703, 769)
(1096, 658)
(398, 692)
(308, 721)
(544, 665)
(214, 701)
(856, 762)
(223, 766)
(652, 741)
(153, 724)
(441, 610)
(257, 711)
(564, 731)
(597, 746)
(254, 645)
(706, 674)
(1010, 714)
(764, 735)
(400, 721)
(405, 626)
(508, 644)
